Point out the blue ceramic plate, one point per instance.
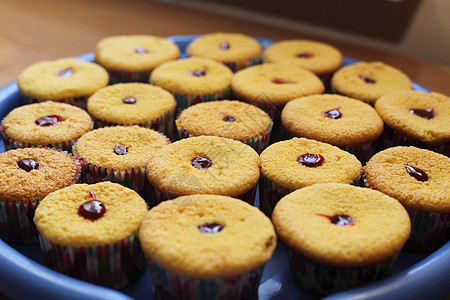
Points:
(22, 275)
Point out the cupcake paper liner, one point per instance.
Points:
(320, 280)
(236, 66)
(168, 285)
(123, 77)
(184, 101)
(362, 152)
(162, 124)
(80, 102)
(115, 265)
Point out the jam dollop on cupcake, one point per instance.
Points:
(212, 232)
(340, 236)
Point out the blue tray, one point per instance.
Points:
(22, 275)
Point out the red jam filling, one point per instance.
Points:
(224, 45)
(48, 121)
(340, 220)
(229, 119)
(311, 160)
(129, 100)
(197, 73)
(424, 113)
(305, 55)
(210, 228)
(277, 80)
(121, 149)
(28, 164)
(332, 113)
(366, 79)
(417, 173)
(140, 50)
(65, 73)
(201, 162)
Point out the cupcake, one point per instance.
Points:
(133, 57)
(298, 163)
(193, 80)
(46, 124)
(209, 233)
(341, 121)
(90, 232)
(133, 104)
(235, 50)
(271, 86)
(231, 119)
(420, 180)
(320, 58)
(417, 119)
(368, 81)
(27, 176)
(340, 236)
(204, 165)
(65, 80)
(119, 154)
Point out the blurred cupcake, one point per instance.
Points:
(193, 80)
(131, 58)
(340, 236)
(90, 232)
(212, 231)
(231, 119)
(65, 80)
(415, 118)
(341, 121)
(420, 180)
(119, 154)
(368, 81)
(299, 162)
(204, 165)
(133, 104)
(27, 176)
(46, 124)
(235, 50)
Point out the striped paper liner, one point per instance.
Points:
(123, 77)
(236, 65)
(80, 102)
(184, 101)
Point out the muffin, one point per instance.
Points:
(368, 81)
(133, 57)
(320, 58)
(212, 232)
(27, 176)
(67, 80)
(235, 50)
(204, 165)
(417, 119)
(193, 80)
(271, 86)
(90, 232)
(119, 154)
(133, 104)
(420, 180)
(227, 118)
(299, 162)
(350, 124)
(340, 236)
(46, 124)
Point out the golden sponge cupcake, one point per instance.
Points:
(298, 163)
(340, 236)
(212, 232)
(119, 154)
(133, 104)
(420, 180)
(131, 58)
(227, 118)
(236, 50)
(67, 80)
(368, 81)
(193, 80)
(204, 165)
(91, 232)
(27, 176)
(341, 121)
(46, 124)
(416, 118)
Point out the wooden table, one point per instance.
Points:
(32, 31)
